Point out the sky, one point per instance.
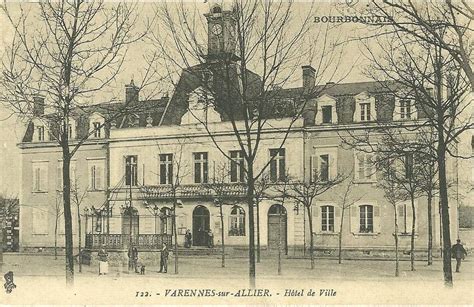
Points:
(11, 129)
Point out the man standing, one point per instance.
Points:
(164, 259)
(132, 258)
(458, 252)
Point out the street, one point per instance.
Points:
(350, 282)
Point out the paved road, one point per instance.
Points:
(353, 282)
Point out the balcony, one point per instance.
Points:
(203, 191)
(122, 241)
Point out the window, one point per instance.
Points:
(403, 214)
(327, 114)
(131, 170)
(237, 222)
(166, 168)
(40, 221)
(40, 133)
(237, 166)
(97, 129)
(96, 170)
(40, 176)
(364, 168)
(365, 112)
(405, 109)
(200, 167)
(366, 217)
(72, 175)
(69, 131)
(327, 218)
(277, 165)
(324, 167)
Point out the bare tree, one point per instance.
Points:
(345, 201)
(262, 184)
(78, 200)
(306, 192)
(66, 52)
(435, 84)
(269, 37)
(57, 213)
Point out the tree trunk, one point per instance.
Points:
(250, 202)
(67, 215)
(56, 236)
(397, 264)
(340, 236)
(443, 192)
(258, 231)
(222, 236)
(430, 228)
(175, 239)
(279, 241)
(412, 239)
(311, 240)
(80, 235)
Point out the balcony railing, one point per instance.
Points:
(194, 191)
(122, 241)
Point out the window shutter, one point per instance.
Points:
(356, 116)
(99, 171)
(59, 177)
(373, 112)
(319, 115)
(337, 218)
(72, 174)
(44, 178)
(377, 218)
(400, 212)
(91, 177)
(333, 165)
(414, 110)
(358, 165)
(337, 211)
(314, 167)
(396, 110)
(354, 219)
(316, 212)
(410, 217)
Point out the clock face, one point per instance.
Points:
(216, 29)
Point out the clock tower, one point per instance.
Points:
(221, 33)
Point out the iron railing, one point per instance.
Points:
(122, 241)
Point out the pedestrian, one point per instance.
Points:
(133, 258)
(458, 252)
(188, 238)
(210, 239)
(103, 261)
(164, 259)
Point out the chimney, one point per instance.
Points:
(131, 92)
(309, 78)
(38, 105)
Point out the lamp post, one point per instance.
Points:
(219, 204)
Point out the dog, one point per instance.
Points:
(142, 269)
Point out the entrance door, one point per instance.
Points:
(130, 224)
(277, 232)
(200, 226)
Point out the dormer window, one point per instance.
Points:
(326, 110)
(365, 112)
(404, 110)
(364, 108)
(97, 129)
(40, 133)
(327, 114)
(96, 126)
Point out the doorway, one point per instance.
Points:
(201, 221)
(277, 230)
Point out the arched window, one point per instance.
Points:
(237, 222)
(366, 216)
(277, 209)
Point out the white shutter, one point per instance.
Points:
(44, 177)
(333, 165)
(337, 218)
(373, 112)
(99, 171)
(91, 176)
(314, 167)
(414, 110)
(40, 221)
(72, 174)
(358, 164)
(354, 219)
(59, 176)
(356, 116)
(316, 215)
(377, 219)
(396, 110)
